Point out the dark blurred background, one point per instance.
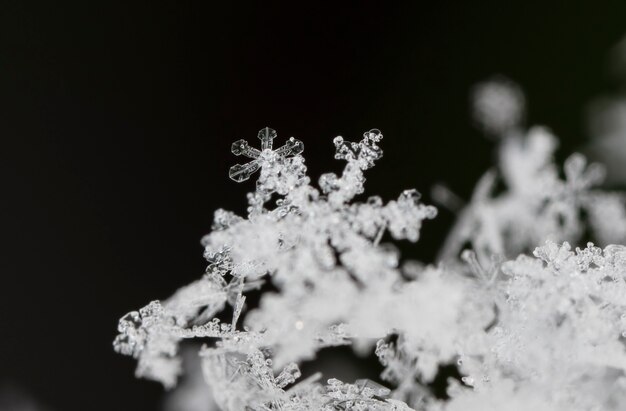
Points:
(117, 120)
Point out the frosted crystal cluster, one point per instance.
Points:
(544, 331)
(336, 285)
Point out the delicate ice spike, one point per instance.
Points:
(266, 135)
(241, 172)
(237, 311)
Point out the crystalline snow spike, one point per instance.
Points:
(241, 172)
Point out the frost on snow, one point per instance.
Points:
(541, 332)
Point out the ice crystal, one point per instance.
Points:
(544, 331)
(336, 285)
(242, 172)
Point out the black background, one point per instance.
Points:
(117, 119)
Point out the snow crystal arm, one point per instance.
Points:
(241, 147)
(242, 172)
(266, 135)
(291, 148)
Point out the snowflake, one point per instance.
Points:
(242, 172)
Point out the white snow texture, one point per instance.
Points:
(544, 330)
